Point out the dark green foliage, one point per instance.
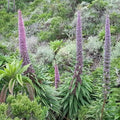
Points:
(115, 63)
(97, 77)
(44, 73)
(54, 31)
(3, 60)
(115, 71)
(19, 4)
(71, 102)
(21, 107)
(3, 49)
(99, 5)
(46, 36)
(7, 23)
(3, 109)
(48, 97)
(115, 22)
(93, 17)
(113, 106)
(3, 113)
(56, 25)
(3, 3)
(85, 0)
(92, 112)
(51, 17)
(38, 17)
(35, 4)
(111, 112)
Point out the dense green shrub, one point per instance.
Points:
(55, 31)
(48, 97)
(21, 107)
(44, 55)
(2, 3)
(115, 52)
(71, 102)
(113, 106)
(7, 23)
(3, 60)
(46, 36)
(45, 73)
(66, 55)
(19, 4)
(3, 49)
(115, 22)
(95, 43)
(112, 109)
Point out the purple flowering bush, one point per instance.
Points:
(75, 92)
(22, 44)
(87, 87)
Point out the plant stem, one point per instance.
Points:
(104, 102)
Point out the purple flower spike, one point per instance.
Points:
(57, 76)
(79, 58)
(22, 44)
(106, 71)
(107, 55)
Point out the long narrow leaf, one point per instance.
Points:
(27, 80)
(30, 91)
(19, 79)
(3, 94)
(24, 68)
(11, 86)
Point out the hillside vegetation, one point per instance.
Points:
(55, 63)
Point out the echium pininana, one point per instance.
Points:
(106, 71)
(22, 44)
(57, 76)
(107, 53)
(79, 57)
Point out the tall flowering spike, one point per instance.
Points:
(22, 44)
(106, 71)
(107, 55)
(79, 58)
(57, 76)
